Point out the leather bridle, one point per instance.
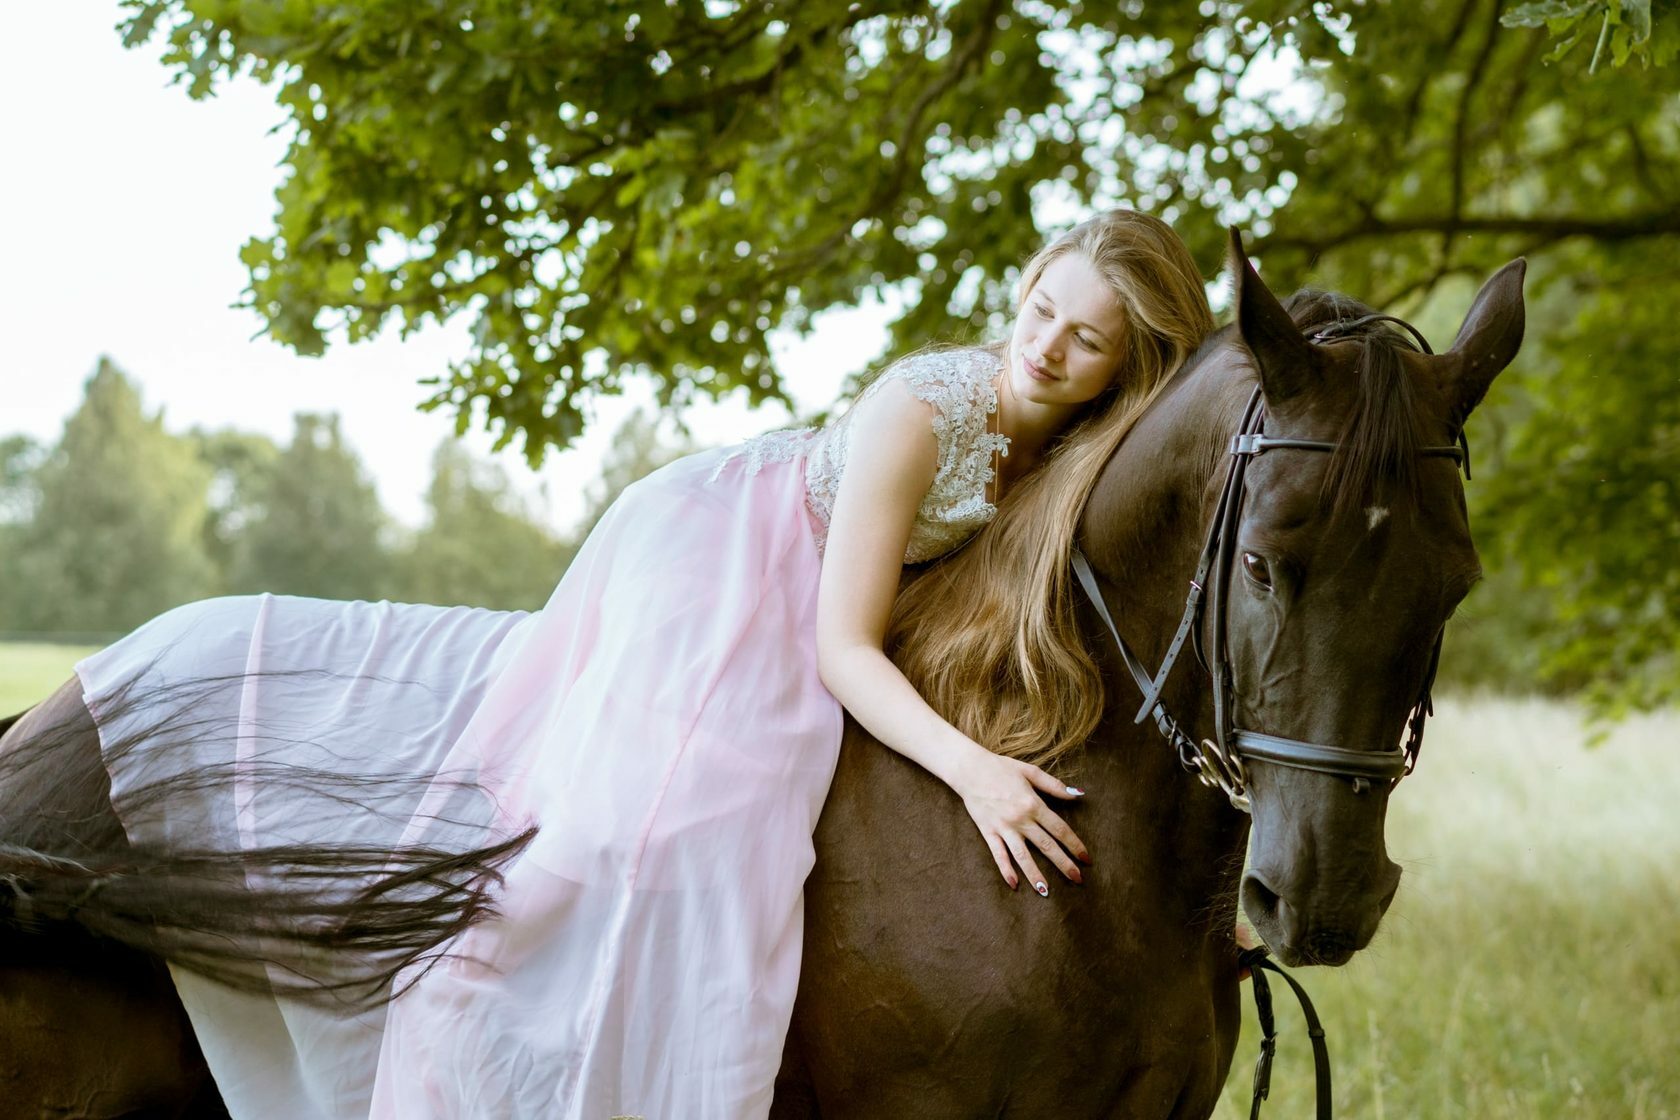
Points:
(1222, 761)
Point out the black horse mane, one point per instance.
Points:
(1378, 443)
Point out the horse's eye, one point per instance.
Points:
(1257, 570)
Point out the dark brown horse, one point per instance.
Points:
(929, 989)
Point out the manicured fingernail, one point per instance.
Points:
(1075, 791)
(1042, 889)
(1014, 883)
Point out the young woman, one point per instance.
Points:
(668, 723)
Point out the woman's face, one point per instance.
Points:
(1066, 347)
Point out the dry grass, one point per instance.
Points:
(1528, 966)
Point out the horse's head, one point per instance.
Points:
(1344, 567)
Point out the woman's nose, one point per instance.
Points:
(1051, 341)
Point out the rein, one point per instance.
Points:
(1258, 964)
(1222, 761)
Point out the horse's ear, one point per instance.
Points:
(1286, 362)
(1488, 340)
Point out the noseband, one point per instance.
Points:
(1222, 760)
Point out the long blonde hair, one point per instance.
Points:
(988, 635)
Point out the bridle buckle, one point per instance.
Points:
(1218, 769)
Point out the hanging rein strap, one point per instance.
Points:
(1256, 960)
(1258, 964)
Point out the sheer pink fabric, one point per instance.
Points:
(661, 720)
(674, 742)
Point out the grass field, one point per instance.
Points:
(1530, 967)
(29, 672)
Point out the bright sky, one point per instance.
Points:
(122, 210)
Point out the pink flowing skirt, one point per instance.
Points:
(662, 722)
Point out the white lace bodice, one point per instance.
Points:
(960, 385)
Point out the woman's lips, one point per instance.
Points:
(1035, 372)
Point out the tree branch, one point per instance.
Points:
(761, 83)
(1657, 223)
(1422, 286)
(1415, 100)
(1524, 72)
(1461, 123)
(940, 86)
(1642, 166)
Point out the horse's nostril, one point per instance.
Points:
(1259, 899)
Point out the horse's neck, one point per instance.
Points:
(1149, 513)
(1154, 502)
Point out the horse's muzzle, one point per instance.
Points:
(1326, 927)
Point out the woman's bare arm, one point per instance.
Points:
(890, 464)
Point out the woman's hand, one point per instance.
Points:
(1245, 940)
(1001, 794)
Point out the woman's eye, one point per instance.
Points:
(1043, 312)
(1257, 570)
(1085, 342)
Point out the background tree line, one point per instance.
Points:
(123, 519)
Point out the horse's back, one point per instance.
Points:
(162, 739)
(87, 1027)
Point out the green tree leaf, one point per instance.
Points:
(1542, 12)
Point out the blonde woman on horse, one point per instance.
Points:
(645, 758)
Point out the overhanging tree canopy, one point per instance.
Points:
(608, 187)
(653, 185)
